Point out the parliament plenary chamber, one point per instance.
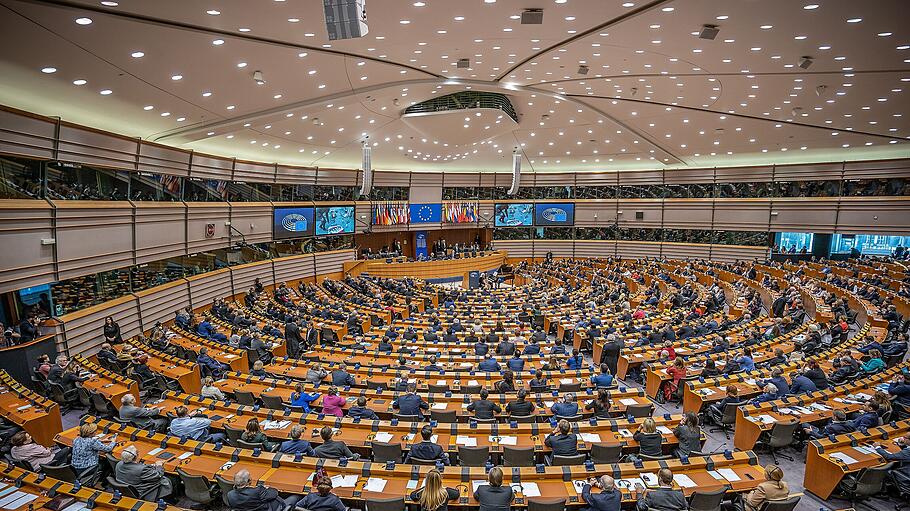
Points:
(454, 255)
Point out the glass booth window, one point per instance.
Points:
(21, 178)
(72, 181)
(205, 190)
(333, 193)
(511, 233)
(239, 191)
(156, 273)
(793, 242)
(148, 186)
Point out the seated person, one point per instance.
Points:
(772, 488)
(26, 450)
(649, 439)
(802, 384)
(253, 434)
(246, 497)
(196, 428)
(148, 481)
(433, 496)
(427, 448)
(315, 374)
(567, 407)
(216, 368)
(301, 399)
(710, 370)
(689, 435)
(360, 410)
(539, 382)
(488, 364)
(210, 390)
(333, 449)
(601, 405)
(837, 426)
(410, 403)
(516, 363)
(143, 418)
(258, 370)
(900, 389)
(332, 403)
(769, 394)
(576, 361)
(609, 498)
(562, 441)
(322, 499)
(604, 379)
(814, 372)
(875, 364)
(521, 407)
(664, 497)
(295, 445)
(483, 408)
(777, 379)
(433, 365)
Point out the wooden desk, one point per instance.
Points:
(432, 269)
(183, 372)
(110, 385)
(285, 474)
(28, 410)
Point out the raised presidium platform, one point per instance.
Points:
(428, 270)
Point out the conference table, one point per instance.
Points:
(25, 408)
(110, 385)
(356, 481)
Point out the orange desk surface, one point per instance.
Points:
(26, 409)
(110, 385)
(183, 372)
(283, 473)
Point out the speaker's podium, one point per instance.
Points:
(471, 280)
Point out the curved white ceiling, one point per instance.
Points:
(655, 95)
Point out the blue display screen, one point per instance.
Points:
(292, 223)
(871, 244)
(514, 215)
(554, 214)
(335, 220)
(792, 242)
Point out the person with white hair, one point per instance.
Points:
(248, 497)
(140, 416)
(609, 498)
(148, 481)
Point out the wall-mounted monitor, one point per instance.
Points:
(793, 242)
(514, 214)
(868, 244)
(292, 223)
(334, 220)
(554, 214)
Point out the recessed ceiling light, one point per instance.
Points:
(137, 54)
(212, 12)
(854, 20)
(311, 72)
(668, 9)
(218, 42)
(419, 4)
(241, 64)
(206, 94)
(230, 107)
(628, 4)
(79, 82)
(83, 21)
(459, 18)
(561, 1)
(799, 37)
(903, 47)
(165, 114)
(489, 1)
(177, 78)
(884, 34)
(106, 92)
(293, 20)
(404, 22)
(570, 18)
(147, 107)
(766, 27)
(824, 47)
(48, 70)
(810, 7)
(243, 29)
(109, 4)
(722, 17)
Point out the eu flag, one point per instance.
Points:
(426, 213)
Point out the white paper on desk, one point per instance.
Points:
(580, 485)
(506, 440)
(441, 382)
(75, 506)
(184, 456)
(767, 419)
(24, 499)
(412, 380)
(478, 484)
(819, 407)
(231, 357)
(548, 404)
(7, 491)
(24, 407)
(567, 381)
(473, 383)
(625, 432)
(344, 481)
(155, 451)
(728, 474)
(716, 475)
(750, 381)
(439, 406)
(465, 364)
(706, 392)
(12, 497)
(862, 449)
(412, 484)
(663, 430)
(375, 484)
(467, 441)
(649, 478)
(843, 457)
(683, 480)
(590, 437)
(530, 489)
(628, 401)
(383, 437)
(862, 396)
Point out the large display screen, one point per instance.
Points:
(514, 215)
(292, 223)
(792, 242)
(554, 214)
(870, 244)
(335, 220)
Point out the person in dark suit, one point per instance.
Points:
(664, 497)
(410, 403)
(505, 347)
(295, 445)
(293, 338)
(427, 449)
(256, 498)
(342, 378)
(562, 441)
(609, 498)
(484, 408)
(494, 496)
(481, 348)
(610, 352)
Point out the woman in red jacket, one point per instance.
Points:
(677, 372)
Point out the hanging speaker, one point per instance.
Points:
(516, 172)
(367, 184)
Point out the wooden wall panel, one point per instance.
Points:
(652, 209)
(253, 220)
(874, 215)
(426, 187)
(294, 268)
(83, 330)
(742, 214)
(757, 174)
(205, 287)
(485, 214)
(808, 172)
(91, 147)
(555, 179)
(25, 261)
(641, 177)
(877, 169)
(731, 253)
(93, 237)
(515, 248)
(199, 214)
(206, 166)
(363, 217)
(160, 303)
(685, 251)
(296, 175)
(559, 248)
(163, 159)
(687, 213)
(689, 176)
(389, 178)
(595, 214)
(336, 177)
(26, 135)
(160, 230)
(595, 248)
(597, 179)
(452, 179)
(793, 214)
(253, 172)
(243, 275)
(637, 249)
(332, 262)
(489, 179)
